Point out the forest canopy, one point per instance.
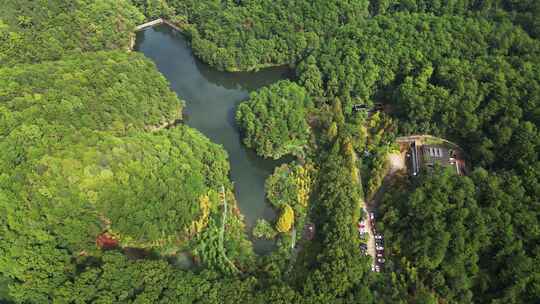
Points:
(94, 152)
(86, 154)
(33, 31)
(273, 120)
(102, 91)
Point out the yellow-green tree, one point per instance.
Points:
(286, 220)
(332, 131)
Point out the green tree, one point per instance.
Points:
(273, 120)
(263, 229)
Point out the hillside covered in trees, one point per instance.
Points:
(33, 31)
(102, 187)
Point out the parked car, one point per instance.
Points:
(309, 231)
(380, 255)
(377, 268)
(378, 237)
(381, 260)
(363, 246)
(371, 216)
(379, 248)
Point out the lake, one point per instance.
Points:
(211, 99)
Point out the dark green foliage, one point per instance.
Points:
(445, 230)
(245, 35)
(523, 12)
(468, 239)
(274, 122)
(77, 157)
(511, 271)
(340, 268)
(462, 78)
(489, 106)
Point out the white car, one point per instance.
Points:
(378, 237)
(371, 216)
(377, 268)
(381, 260)
(379, 248)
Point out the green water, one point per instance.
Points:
(211, 98)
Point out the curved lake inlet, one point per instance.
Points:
(211, 98)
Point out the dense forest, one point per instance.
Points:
(274, 120)
(33, 31)
(105, 193)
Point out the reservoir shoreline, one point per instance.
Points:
(211, 98)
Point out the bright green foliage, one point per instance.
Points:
(286, 219)
(146, 186)
(290, 184)
(75, 158)
(332, 131)
(33, 31)
(273, 120)
(263, 229)
(76, 162)
(113, 91)
(222, 245)
(339, 268)
(153, 9)
(379, 142)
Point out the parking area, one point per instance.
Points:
(424, 152)
(372, 242)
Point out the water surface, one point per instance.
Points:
(211, 98)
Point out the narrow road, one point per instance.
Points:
(370, 242)
(371, 239)
(397, 163)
